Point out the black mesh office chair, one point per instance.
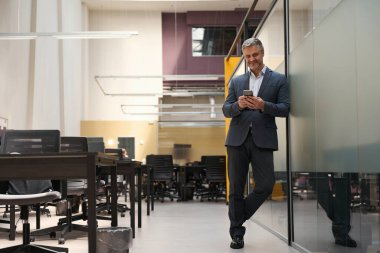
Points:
(29, 192)
(215, 167)
(122, 208)
(70, 190)
(162, 176)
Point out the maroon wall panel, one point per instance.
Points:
(177, 55)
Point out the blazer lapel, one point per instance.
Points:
(246, 81)
(265, 81)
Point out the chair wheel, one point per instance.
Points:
(61, 240)
(52, 235)
(171, 199)
(32, 239)
(5, 215)
(201, 200)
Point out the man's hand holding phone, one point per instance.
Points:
(247, 92)
(250, 101)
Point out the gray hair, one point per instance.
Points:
(252, 42)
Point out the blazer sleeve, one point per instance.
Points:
(230, 106)
(281, 107)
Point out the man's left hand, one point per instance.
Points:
(255, 103)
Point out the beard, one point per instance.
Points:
(254, 66)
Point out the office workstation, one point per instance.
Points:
(150, 78)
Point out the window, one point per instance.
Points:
(208, 41)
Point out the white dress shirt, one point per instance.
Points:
(255, 81)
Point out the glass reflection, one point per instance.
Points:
(334, 153)
(272, 213)
(336, 211)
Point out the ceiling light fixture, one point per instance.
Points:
(18, 36)
(218, 123)
(70, 35)
(174, 1)
(168, 106)
(167, 113)
(96, 35)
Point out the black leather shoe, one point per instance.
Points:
(237, 243)
(346, 241)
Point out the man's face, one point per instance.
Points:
(254, 57)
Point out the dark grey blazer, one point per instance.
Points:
(274, 91)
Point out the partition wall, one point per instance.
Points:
(329, 51)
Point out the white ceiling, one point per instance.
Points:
(174, 6)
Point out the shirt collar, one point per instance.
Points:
(262, 72)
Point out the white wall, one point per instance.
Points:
(73, 70)
(14, 63)
(55, 87)
(41, 80)
(139, 55)
(46, 93)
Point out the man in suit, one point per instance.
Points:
(252, 136)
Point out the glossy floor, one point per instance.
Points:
(175, 227)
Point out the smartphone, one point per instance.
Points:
(247, 93)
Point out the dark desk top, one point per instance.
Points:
(46, 165)
(104, 160)
(55, 166)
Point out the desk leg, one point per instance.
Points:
(91, 211)
(132, 198)
(12, 223)
(113, 197)
(38, 216)
(148, 193)
(152, 190)
(139, 179)
(182, 182)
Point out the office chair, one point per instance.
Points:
(96, 144)
(25, 200)
(122, 208)
(12, 234)
(28, 142)
(162, 176)
(70, 189)
(215, 167)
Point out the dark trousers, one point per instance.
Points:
(334, 195)
(240, 208)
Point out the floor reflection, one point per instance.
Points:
(330, 206)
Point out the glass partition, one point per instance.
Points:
(334, 135)
(272, 213)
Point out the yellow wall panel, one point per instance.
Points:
(145, 133)
(229, 67)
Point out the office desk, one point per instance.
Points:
(56, 166)
(113, 166)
